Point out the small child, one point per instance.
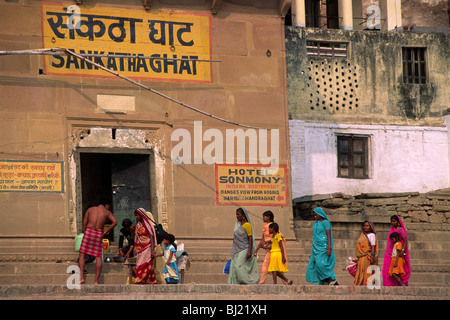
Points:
(278, 260)
(396, 268)
(183, 262)
(170, 271)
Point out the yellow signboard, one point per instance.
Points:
(31, 176)
(139, 44)
(251, 185)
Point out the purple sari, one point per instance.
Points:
(390, 281)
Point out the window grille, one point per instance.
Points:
(326, 49)
(414, 65)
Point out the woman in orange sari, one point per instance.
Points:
(144, 246)
(366, 252)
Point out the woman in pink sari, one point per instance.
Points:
(144, 246)
(399, 227)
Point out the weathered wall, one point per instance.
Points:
(414, 207)
(401, 159)
(367, 86)
(425, 13)
(45, 117)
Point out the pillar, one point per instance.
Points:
(391, 14)
(298, 13)
(345, 8)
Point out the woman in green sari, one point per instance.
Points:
(321, 263)
(243, 267)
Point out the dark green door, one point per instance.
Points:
(130, 179)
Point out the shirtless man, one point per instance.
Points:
(94, 221)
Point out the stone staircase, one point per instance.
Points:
(269, 297)
(429, 253)
(45, 261)
(207, 264)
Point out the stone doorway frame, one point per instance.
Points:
(132, 138)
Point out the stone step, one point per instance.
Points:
(298, 247)
(225, 246)
(412, 245)
(203, 260)
(420, 229)
(192, 292)
(29, 261)
(345, 234)
(200, 272)
(25, 268)
(51, 279)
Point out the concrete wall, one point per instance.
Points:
(401, 159)
(367, 86)
(364, 93)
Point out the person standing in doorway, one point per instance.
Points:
(94, 222)
(126, 239)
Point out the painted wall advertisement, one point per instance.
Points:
(31, 176)
(251, 185)
(176, 42)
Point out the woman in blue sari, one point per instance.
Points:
(321, 263)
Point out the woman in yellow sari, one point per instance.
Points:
(366, 252)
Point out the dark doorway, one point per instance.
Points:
(332, 14)
(123, 179)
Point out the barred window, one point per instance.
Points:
(414, 65)
(353, 156)
(326, 49)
